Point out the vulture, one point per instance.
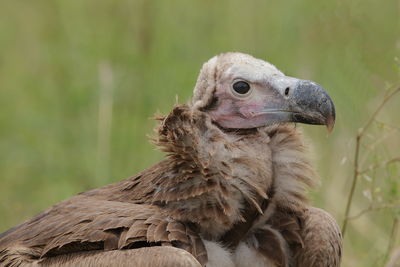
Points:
(231, 190)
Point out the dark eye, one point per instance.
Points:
(241, 87)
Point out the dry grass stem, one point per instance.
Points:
(357, 170)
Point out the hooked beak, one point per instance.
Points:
(299, 101)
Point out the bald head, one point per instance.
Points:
(240, 91)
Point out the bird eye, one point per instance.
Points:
(241, 87)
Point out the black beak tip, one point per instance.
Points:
(315, 105)
(330, 122)
(328, 112)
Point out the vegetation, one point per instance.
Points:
(80, 80)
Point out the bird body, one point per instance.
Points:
(231, 190)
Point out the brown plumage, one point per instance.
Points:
(231, 190)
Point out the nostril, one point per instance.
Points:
(287, 91)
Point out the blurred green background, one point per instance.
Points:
(80, 81)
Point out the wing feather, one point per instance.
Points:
(83, 223)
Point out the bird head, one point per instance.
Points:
(239, 91)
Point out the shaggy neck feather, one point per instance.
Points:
(216, 172)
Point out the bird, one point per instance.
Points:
(231, 190)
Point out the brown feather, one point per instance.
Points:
(271, 246)
(160, 233)
(143, 257)
(322, 240)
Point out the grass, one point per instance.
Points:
(64, 130)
